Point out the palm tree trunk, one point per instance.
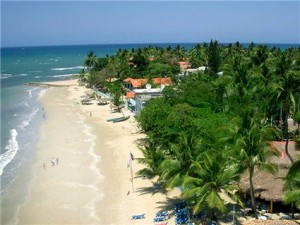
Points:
(287, 150)
(253, 203)
(281, 124)
(286, 134)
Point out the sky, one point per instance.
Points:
(37, 23)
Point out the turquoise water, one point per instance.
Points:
(21, 112)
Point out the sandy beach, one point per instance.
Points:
(81, 174)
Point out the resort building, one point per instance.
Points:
(183, 65)
(142, 96)
(131, 83)
(189, 71)
(137, 95)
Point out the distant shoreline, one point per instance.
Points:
(296, 45)
(45, 84)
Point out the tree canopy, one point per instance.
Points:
(213, 125)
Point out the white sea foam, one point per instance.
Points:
(12, 148)
(22, 75)
(30, 92)
(91, 139)
(26, 122)
(37, 77)
(42, 93)
(68, 68)
(56, 60)
(63, 75)
(35, 71)
(5, 75)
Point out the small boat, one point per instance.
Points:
(120, 119)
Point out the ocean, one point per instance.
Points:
(21, 111)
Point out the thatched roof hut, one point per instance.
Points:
(267, 186)
(271, 222)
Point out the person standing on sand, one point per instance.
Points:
(56, 161)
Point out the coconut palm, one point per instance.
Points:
(284, 88)
(292, 186)
(251, 138)
(90, 60)
(179, 159)
(209, 176)
(153, 156)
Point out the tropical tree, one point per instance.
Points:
(197, 56)
(153, 156)
(90, 60)
(251, 137)
(284, 86)
(179, 159)
(292, 185)
(214, 59)
(117, 91)
(208, 177)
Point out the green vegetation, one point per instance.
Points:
(213, 125)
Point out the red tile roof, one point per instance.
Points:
(162, 80)
(130, 94)
(183, 64)
(136, 82)
(142, 82)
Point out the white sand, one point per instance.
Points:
(91, 183)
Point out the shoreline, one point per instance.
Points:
(91, 184)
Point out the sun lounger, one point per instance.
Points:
(211, 222)
(165, 223)
(163, 213)
(138, 217)
(160, 219)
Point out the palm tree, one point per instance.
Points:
(292, 186)
(179, 159)
(209, 176)
(153, 156)
(252, 137)
(90, 60)
(284, 88)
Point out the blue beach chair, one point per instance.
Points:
(138, 217)
(163, 213)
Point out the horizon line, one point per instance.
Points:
(150, 43)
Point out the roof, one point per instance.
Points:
(130, 94)
(271, 222)
(268, 186)
(183, 64)
(162, 80)
(283, 160)
(136, 83)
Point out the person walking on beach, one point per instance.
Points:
(90, 114)
(56, 161)
(53, 162)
